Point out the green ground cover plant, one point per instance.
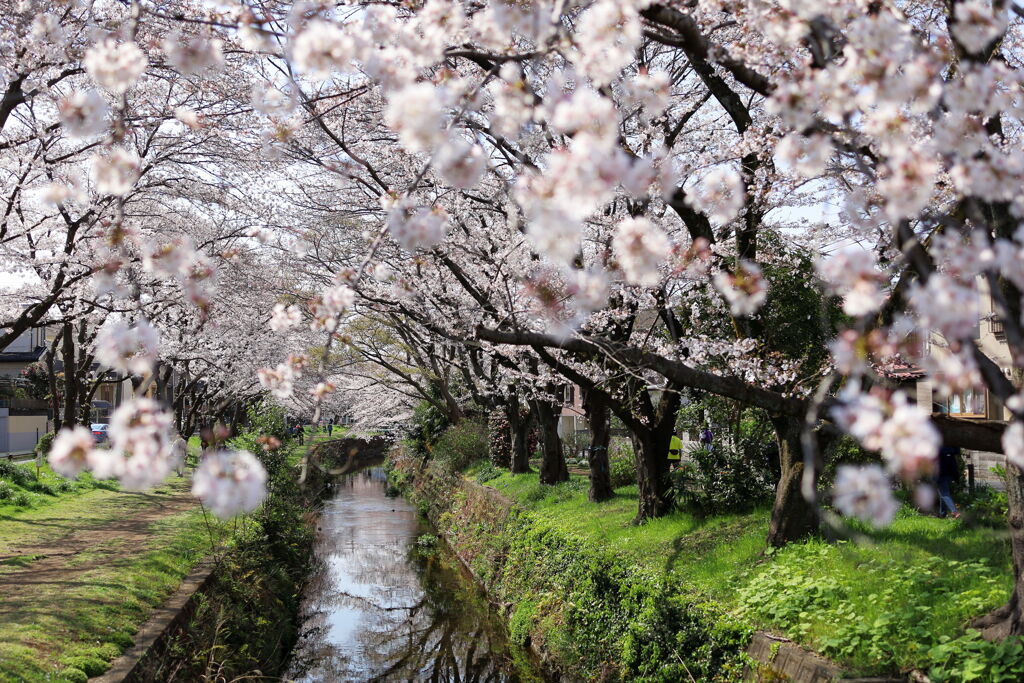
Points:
(893, 600)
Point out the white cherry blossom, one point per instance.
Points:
(230, 482)
(640, 247)
(116, 172)
(865, 493)
(84, 113)
(72, 451)
(115, 66)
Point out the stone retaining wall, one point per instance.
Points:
(152, 639)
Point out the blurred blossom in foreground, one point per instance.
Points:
(745, 290)
(72, 451)
(865, 493)
(230, 482)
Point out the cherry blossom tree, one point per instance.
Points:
(607, 193)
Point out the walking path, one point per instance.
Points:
(79, 576)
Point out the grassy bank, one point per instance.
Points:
(84, 564)
(26, 487)
(586, 584)
(82, 573)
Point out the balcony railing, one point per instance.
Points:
(24, 404)
(998, 330)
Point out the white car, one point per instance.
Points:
(99, 432)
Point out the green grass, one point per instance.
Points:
(875, 606)
(24, 487)
(60, 626)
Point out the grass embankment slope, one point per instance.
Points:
(81, 566)
(900, 601)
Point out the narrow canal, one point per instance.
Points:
(388, 603)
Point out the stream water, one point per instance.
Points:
(383, 606)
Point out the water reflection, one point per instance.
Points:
(380, 610)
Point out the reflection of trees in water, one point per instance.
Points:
(453, 638)
(414, 618)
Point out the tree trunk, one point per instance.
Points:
(1008, 620)
(70, 378)
(51, 378)
(519, 423)
(598, 413)
(650, 448)
(552, 467)
(793, 516)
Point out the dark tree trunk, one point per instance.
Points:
(552, 467)
(650, 448)
(236, 415)
(51, 378)
(519, 422)
(1008, 619)
(70, 378)
(598, 413)
(793, 516)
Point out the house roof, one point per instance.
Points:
(22, 356)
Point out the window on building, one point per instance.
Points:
(969, 403)
(570, 395)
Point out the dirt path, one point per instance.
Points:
(86, 540)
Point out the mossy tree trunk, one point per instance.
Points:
(651, 439)
(519, 422)
(598, 411)
(552, 468)
(1008, 620)
(793, 516)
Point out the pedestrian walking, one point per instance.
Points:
(706, 437)
(948, 472)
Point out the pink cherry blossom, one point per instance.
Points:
(230, 482)
(71, 451)
(865, 493)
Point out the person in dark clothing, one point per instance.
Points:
(706, 437)
(948, 472)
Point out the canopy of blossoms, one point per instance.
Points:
(327, 200)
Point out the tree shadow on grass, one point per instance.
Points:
(955, 542)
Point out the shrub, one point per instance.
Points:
(427, 541)
(22, 500)
(45, 443)
(428, 423)
(92, 666)
(73, 675)
(462, 444)
(844, 451)
(6, 490)
(44, 488)
(500, 439)
(726, 479)
(987, 507)
(622, 466)
(16, 474)
(487, 471)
